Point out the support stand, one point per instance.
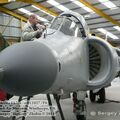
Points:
(50, 104)
(26, 107)
(59, 106)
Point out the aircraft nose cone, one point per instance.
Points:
(29, 68)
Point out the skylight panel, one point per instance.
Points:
(25, 11)
(108, 4)
(29, 13)
(82, 6)
(107, 33)
(58, 5)
(42, 11)
(117, 27)
(88, 9)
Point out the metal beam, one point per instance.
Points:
(39, 6)
(3, 1)
(7, 11)
(96, 10)
(6, 1)
(99, 12)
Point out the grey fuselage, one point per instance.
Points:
(59, 60)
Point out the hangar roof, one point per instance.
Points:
(102, 16)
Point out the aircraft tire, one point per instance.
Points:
(102, 97)
(80, 117)
(92, 96)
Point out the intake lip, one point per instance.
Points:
(29, 68)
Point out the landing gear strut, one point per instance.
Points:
(79, 106)
(100, 94)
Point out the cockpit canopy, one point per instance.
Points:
(69, 25)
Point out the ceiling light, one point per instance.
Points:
(103, 0)
(42, 19)
(88, 9)
(29, 13)
(108, 4)
(53, 2)
(78, 3)
(25, 11)
(11, 0)
(58, 5)
(63, 8)
(82, 6)
(102, 30)
(107, 33)
(42, 10)
(87, 16)
(117, 27)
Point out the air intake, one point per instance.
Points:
(103, 63)
(94, 61)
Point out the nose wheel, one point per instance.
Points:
(79, 107)
(81, 110)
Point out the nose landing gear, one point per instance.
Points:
(79, 106)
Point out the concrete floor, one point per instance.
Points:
(95, 111)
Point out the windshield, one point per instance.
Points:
(68, 27)
(56, 23)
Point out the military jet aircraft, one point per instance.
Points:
(65, 59)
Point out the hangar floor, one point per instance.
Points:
(95, 111)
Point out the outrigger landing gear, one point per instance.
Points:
(101, 96)
(79, 106)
